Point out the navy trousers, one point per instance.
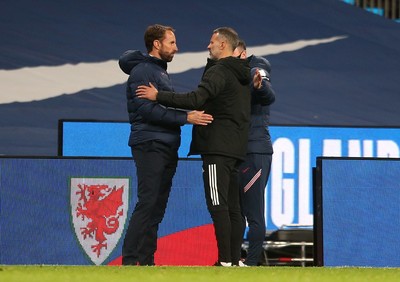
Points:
(156, 164)
(253, 177)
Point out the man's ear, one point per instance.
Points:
(156, 44)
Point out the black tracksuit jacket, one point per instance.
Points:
(224, 92)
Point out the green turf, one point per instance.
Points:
(194, 274)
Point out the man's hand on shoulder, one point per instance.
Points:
(147, 92)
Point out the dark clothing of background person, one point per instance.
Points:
(154, 140)
(255, 170)
(224, 92)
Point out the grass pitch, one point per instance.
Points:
(194, 274)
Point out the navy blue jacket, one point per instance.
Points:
(150, 120)
(259, 137)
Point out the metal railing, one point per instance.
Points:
(388, 8)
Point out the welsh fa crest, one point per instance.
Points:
(99, 209)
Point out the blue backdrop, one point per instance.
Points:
(332, 63)
(37, 214)
(289, 190)
(360, 212)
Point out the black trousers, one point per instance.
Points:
(155, 167)
(220, 175)
(253, 177)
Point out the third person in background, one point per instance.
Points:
(254, 171)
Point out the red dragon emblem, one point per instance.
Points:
(97, 210)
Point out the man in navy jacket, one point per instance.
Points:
(154, 141)
(254, 171)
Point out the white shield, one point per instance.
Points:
(99, 208)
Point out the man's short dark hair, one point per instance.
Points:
(155, 32)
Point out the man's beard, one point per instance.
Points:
(212, 56)
(167, 57)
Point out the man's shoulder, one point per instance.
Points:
(216, 72)
(259, 62)
(220, 66)
(148, 67)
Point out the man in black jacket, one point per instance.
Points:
(154, 140)
(224, 93)
(254, 171)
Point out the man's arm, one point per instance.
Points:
(156, 113)
(208, 87)
(191, 100)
